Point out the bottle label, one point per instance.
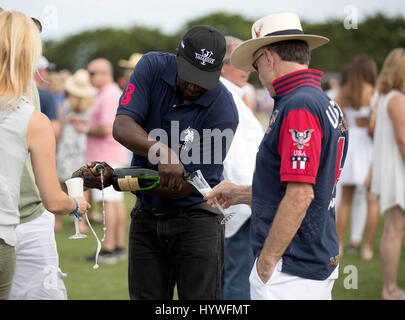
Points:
(128, 183)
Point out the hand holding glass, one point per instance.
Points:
(75, 189)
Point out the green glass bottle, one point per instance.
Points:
(137, 179)
(97, 169)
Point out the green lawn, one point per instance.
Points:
(109, 282)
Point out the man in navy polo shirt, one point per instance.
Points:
(293, 229)
(167, 112)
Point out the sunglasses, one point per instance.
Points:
(93, 73)
(254, 64)
(38, 23)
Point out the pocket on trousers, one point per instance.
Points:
(136, 213)
(254, 276)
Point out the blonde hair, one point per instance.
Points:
(20, 49)
(392, 75)
(78, 104)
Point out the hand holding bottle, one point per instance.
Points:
(171, 170)
(91, 174)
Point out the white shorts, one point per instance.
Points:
(110, 194)
(37, 275)
(283, 286)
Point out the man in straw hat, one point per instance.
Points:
(298, 163)
(128, 66)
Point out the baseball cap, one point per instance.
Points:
(201, 54)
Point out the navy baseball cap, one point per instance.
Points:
(201, 55)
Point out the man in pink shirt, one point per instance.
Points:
(102, 146)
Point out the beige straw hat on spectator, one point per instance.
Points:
(131, 63)
(270, 29)
(79, 84)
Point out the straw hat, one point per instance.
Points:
(131, 63)
(270, 29)
(79, 84)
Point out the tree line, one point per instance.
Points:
(375, 36)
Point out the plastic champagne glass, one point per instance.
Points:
(75, 189)
(198, 181)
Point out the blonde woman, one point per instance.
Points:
(388, 181)
(23, 130)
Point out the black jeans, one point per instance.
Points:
(184, 247)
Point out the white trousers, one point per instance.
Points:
(282, 286)
(37, 275)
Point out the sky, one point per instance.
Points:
(61, 18)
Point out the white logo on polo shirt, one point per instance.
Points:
(188, 139)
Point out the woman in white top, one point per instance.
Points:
(388, 180)
(355, 98)
(23, 130)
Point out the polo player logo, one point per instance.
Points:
(301, 139)
(205, 57)
(188, 139)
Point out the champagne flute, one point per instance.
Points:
(75, 189)
(198, 181)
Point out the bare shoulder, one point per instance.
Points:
(38, 120)
(397, 100)
(39, 129)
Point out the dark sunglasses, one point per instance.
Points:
(254, 64)
(38, 24)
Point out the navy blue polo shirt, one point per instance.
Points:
(306, 141)
(150, 99)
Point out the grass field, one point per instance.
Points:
(109, 282)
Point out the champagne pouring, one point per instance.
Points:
(98, 170)
(75, 189)
(142, 179)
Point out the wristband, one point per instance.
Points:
(76, 211)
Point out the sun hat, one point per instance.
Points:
(270, 29)
(201, 55)
(131, 63)
(79, 85)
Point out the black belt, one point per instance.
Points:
(175, 210)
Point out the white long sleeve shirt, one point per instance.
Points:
(239, 163)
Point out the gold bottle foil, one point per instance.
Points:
(128, 183)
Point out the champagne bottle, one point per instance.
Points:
(97, 169)
(137, 179)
